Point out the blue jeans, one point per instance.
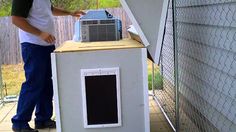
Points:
(37, 90)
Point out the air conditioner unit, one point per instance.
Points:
(95, 27)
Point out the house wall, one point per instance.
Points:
(206, 37)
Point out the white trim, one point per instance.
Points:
(56, 92)
(158, 43)
(101, 71)
(145, 91)
(160, 38)
(134, 22)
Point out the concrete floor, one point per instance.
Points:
(158, 122)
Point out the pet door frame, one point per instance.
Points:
(101, 72)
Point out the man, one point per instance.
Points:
(35, 20)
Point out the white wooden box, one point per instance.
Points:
(73, 61)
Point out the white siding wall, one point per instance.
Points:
(206, 33)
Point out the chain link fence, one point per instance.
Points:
(166, 96)
(206, 47)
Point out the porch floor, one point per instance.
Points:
(157, 120)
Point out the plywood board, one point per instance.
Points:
(71, 46)
(148, 18)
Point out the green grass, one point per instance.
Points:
(158, 83)
(13, 76)
(158, 80)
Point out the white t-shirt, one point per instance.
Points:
(39, 15)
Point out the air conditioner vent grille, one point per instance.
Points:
(107, 21)
(101, 30)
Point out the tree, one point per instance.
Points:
(85, 4)
(109, 3)
(73, 4)
(5, 5)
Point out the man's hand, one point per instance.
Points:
(77, 13)
(60, 12)
(47, 37)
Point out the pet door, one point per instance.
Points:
(101, 97)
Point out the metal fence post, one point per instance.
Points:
(153, 78)
(175, 64)
(1, 84)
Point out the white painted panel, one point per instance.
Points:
(145, 91)
(133, 91)
(56, 92)
(149, 18)
(99, 72)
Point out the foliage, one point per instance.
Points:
(109, 3)
(85, 4)
(158, 81)
(5, 5)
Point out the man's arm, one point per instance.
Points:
(20, 11)
(23, 24)
(60, 12)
